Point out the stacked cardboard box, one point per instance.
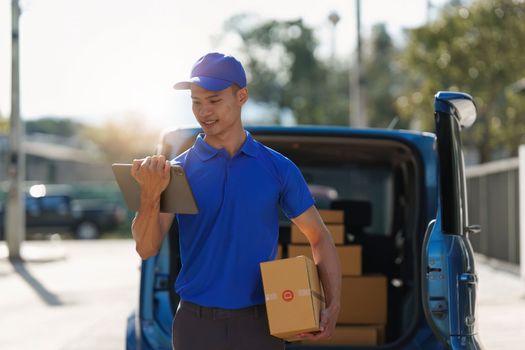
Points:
(334, 221)
(349, 255)
(363, 298)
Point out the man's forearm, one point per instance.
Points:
(327, 260)
(146, 229)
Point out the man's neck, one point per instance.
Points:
(231, 141)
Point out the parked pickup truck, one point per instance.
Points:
(84, 218)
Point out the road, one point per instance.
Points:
(73, 295)
(76, 295)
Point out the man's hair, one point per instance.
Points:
(235, 88)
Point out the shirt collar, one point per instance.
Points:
(205, 151)
(249, 146)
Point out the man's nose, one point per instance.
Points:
(204, 111)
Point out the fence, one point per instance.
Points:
(496, 195)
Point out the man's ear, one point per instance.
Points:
(242, 96)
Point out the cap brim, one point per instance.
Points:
(182, 85)
(207, 83)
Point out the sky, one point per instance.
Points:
(94, 60)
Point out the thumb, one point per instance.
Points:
(324, 321)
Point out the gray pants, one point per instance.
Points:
(202, 328)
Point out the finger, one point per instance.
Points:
(154, 163)
(307, 336)
(136, 165)
(146, 161)
(167, 167)
(323, 324)
(323, 320)
(161, 162)
(317, 336)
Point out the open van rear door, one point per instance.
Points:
(448, 272)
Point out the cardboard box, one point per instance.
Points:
(337, 231)
(294, 296)
(352, 335)
(380, 333)
(332, 216)
(349, 256)
(279, 252)
(363, 300)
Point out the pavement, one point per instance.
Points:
(69, 295)
(76, 295)
(501, 305)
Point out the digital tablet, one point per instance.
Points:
(176, 198)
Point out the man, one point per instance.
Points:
(239, 185)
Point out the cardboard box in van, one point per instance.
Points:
(294, 297)
(279, 252)
(337, 231)
(350, 257)
(363, 300)
(331, 216)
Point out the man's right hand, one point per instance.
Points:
(152, 173)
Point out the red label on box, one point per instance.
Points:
(288, 295)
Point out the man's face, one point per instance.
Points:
(217, 111)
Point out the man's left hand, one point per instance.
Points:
(326, 325)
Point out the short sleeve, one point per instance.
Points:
(295, 196)
(180, 159)
(175, 162)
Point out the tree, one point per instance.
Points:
(284, 70)
(477, 49)
(53, 125)
(383, 79)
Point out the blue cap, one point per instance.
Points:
(215, 72)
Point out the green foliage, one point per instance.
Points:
(477, 49)
(4, 125)
(54, 126)
(284, 70)
(383, 79)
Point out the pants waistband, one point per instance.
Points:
(255, 311)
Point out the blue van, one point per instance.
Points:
(404, 197)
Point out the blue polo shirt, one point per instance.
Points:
(237, 226)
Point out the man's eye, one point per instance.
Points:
(215, 101)
(196, 103)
